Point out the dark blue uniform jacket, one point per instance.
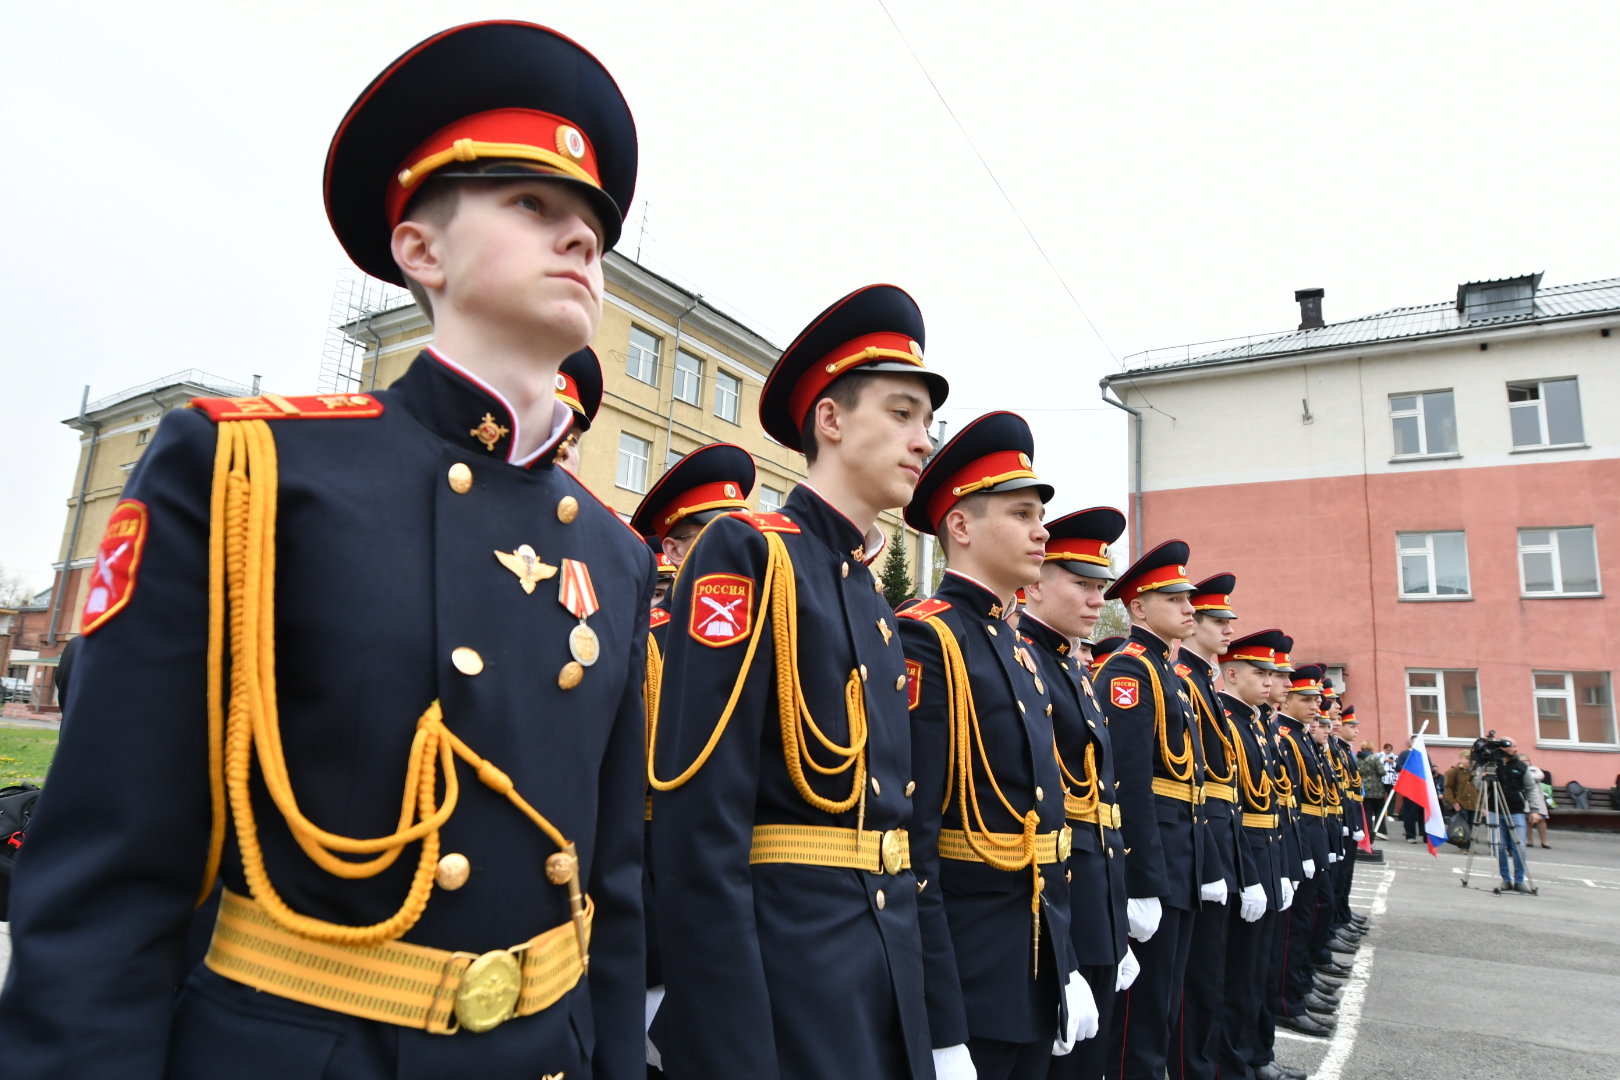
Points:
(381, 571)
(976, 920)
(1223, 822)
(1313, 833)
(1097, 865)
(1259, 755)
(781, 969)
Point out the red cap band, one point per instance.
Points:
(568, 393)
(1257, 653)
(1077, 549)
(720, 495)
(880, 348)
(977, 476)
(1157, 578)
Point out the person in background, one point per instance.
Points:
(1536, 801)
(1460, 793)
(1513, 778)
(1371, 766)
(1389, 758)
(1411, 812)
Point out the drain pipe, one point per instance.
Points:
(78, 514)
(669, 427)
(1136, 522)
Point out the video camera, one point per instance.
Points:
(1490, 752)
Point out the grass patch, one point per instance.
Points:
(25, 752)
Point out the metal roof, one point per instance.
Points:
(1429, 320)
(189, 377)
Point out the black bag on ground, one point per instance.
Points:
(16, 809)
(1458, 828)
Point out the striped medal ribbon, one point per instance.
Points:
(576, 593)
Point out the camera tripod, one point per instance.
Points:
(1492, 803)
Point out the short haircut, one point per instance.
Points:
(975, 505)
(435, 205)
(845, 391)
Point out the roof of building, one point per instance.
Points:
(1425, 321)
(202, 380)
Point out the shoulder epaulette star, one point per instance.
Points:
(766, 522)
(923, 609)
(276, 407)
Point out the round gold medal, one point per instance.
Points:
(584, 644)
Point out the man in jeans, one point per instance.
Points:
(1511, 777)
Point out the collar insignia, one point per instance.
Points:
(489, 432)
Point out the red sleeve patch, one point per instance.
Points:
(913, 683)
(722, 609)
(112, 581)
(659, 617)
(1125, 692)
(924, 609)
(766, 522)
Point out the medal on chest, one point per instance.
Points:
(576, 593)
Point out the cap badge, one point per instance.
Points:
(1023, 459)
(916, 350)
(731, 491)
(489, 432)
(1182, 570)
(526, 565)
(570, 142)
(562, 381)
(1103, 550)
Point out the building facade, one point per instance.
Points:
(1425, 498)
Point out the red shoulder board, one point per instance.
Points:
(765, 522)
(923, 609)
(1183, 670)
(276, 407)
(1134, 648)
(659, 617)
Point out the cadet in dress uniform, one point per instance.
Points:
(579, 386)
(1310, 782)
(1160, 769)
(787, 907)
(1233, 882)
(1062, 606)
(1325, 938)
(1348, 734)
(1248, 667)
(1343, 756)
(989, 838)
(710, 481)
(484, 603)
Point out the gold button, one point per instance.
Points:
(1040, 794)
(460, 478)
(569, 676)
(877, 586)
(1049, 710)
(567, 509)
(911, 786)
(900, 682)
(467, 661)
(1069, 876)
(1110, 853)
(1021, 707)
(992, 631)
(877, 788)
(846, 569)
(863, 673)
(454, 869)
(882, 901)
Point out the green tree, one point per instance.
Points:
(897, 584)
(1114, 622)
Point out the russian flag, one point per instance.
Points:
(1416, 782)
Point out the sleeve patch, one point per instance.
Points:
(1125, 692)
(659, 617)
(913, 683)
(924, 609)
(722, 609)
(112, 581)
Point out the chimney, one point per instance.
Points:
(1310, 308)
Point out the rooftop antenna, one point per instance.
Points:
(642, 235)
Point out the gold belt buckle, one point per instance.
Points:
(892, 857)
(489, 991)
(1065, 843)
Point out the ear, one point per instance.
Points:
(1137, 608)
(956, 527)
(416, 251)
(671, 549)
(1033, 591)
(829, 422)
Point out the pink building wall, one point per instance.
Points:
(1317, 558)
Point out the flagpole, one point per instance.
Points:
(1385, 813)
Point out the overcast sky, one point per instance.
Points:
(1186, 167)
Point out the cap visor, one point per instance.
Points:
(1085, 569)
(1185, 586)
(938, 387)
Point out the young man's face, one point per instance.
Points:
(1210, 635)
(882, 442)
(1279, 688)
(1067, 602)
(1169, 615)
(1299, 707)
(1320, 732)
(522, 258)
(1247, 683)
(1007, 546)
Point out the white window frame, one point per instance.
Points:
(1438, 691)
(767, 507)
(734, 393)
(1422, 425)
(1553, 549)
(1539, 405)
(1567, 696)
(636, 357)
(688, 378)
(634, 454)
(1428, 552)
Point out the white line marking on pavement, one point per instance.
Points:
(1344, 1038)
(1380, 897)
(1590, 882)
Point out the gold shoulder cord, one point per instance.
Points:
(651, 687)
(1207, 718)
(1313, 791)
(1259, 795)
(1087, 803)
(781, 596)
(1179, 766)
(964, 735)
(242, 553)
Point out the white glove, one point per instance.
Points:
(1332, 858)
(1358, 836)
(655, 998)
(1252, 903)
(1082, 1015)
(1144, 916)
(1129, 969)
(1213, 892)
(1345, 829)
(1285, 894)
(1310, 868)
(954, 1063)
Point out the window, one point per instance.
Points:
(688, 377)
(633, 456)
(1448, 700)
(642, 362)
(1424, 423)
(1434, 565)
(1546, 413)
(140, 440)
(1498, 299)
(727, 392)
(670, 458)
(770, 500)
(1558, 562)
(1584, 697)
